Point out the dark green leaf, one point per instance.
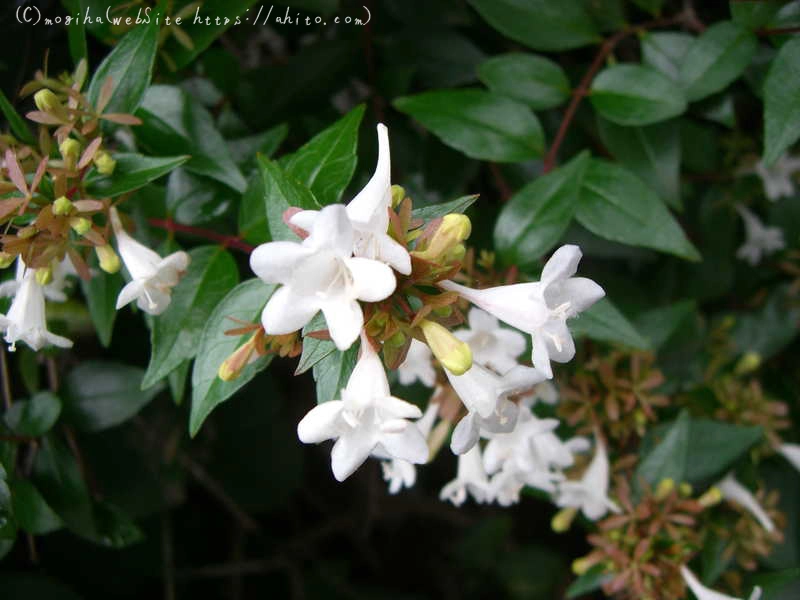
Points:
(616, 205)
(664, 51)
(314, 350)
(716, 59)
(720, 445)
(588, 582)
(244, 150)
(606, 323)
(18, 126)
(653, 153)
(33, 417)
(176, 333)
(173, 123)
(754, 13)
(534, 80)
(459, 205)
(101, 293)
(332, 372)
(132, 172)
(658, 324)
(651, 6)
(668, 458)
(177, 381)
(245, 303)
(252, 212)
(768, 330)
(536, 217)
(31, 511)
(130, 67)
(480, 124)
(540, 24)
(782, 102)
(326, 163)
(195, 200)
(102, 394)
(280, 193)
(636, 95)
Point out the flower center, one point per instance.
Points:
(324, 274)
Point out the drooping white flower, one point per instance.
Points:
(53, 291)
(321, 274)
(369, 214)
(492, 345)
(152, 277)
(701, 592)
(590, 492)
(400, 473)
(778, 179)
(541, 308)
(470, 479)
(760, 240)
(367, 418)
(791, 452)
(734, 491)
(418, 365)
(26, 320)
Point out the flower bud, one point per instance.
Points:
(749, 362)
(562, 521)
(664, 489)
(104, 163)
(44, 275)
(443, 311)
(80, 225)
(453, 230)
(580, 566)
(62, 206)
(70, 150)
(397, 340)
(47, 101)
(398, 195)
(109, 261)
(6, 259)
(711, 497)
(454, 354)
(685, 489)
(232, 366)
(26, 232)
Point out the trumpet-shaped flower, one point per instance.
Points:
(369, 215)
(541, 308)
(53, 291)
(400, 473)
(418, 365)
(471, 479)
(760, 240)
(26, 319)
(734, 491)
(777, 179)
(791, 452)
(367, 419)
(701, 592)
(321, 274)
(590, 493)
(152, 277)
(492, 345)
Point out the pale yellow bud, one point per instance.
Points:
(562, 521)
(104, 163)
(749, 362)
(109, 261)
(6, 259)
(711, 497)
(80, 225)
(454, 354)
(62, 206)
(47, 101)
(580, 566)
(44, 275)
(70, 150)
(26, 232)
(453, 230)
(232, 366)
(397, 340)
(664, 489)
(685, 489)
(398, 195)
(456, 226)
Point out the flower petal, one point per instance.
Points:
(373, 280)
(274, 262)
(351, 450)
(287, 312)
(393, 254)
(540, 357)
(320, 423)
(332, 230)
(129, 293)
(371, 203)
(579, 292)
(304, 219)
(345, 320)
(519, 305)
(465, 435)
(408, 444)
(562, 264)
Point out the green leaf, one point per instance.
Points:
(533, 80)
(102, 394)
(195, 200)
(176, 333)
(252, 219)
(245, 303)
(459, 205)
(668, 458)
(636, 95)
(771, 328)
(664, 51)
(314, 350)
(536, 217)
(177, 382)
(651, 6)
(31, 511)
(18, 126)
(658, 324)
(132, 172)
(616, 205)
(653, 153)
(33, 417)
(590, 581)
(754, 14)
(606, 323)
(540, 24)
(782, 102)
(244, 150)
(326, 163)
(101, 293)
(716, 58)
(130, 66)
(281, 192)
(480, 124)
(332, 372)
(173, 123)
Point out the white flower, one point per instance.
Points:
(777, 179)
(400, 473)
(791, 452)
(152, 277)
(701, 592)
(470, 479)
(369, 214)
(367, 418)
(53, 291)
(759, 239)
(734, 491)
(321, 274)
(590, 493)
(417, 365)
(505, 487)
(541, 308)
(26, 319)
(492, 345)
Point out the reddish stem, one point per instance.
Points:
(778, 31)
(227, 241)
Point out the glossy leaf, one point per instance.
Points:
(252, 219)
(668, 458)
(101, 293)
(17, 124)
(131, 172)
(280, 193)
(782, 102)
(533, 80)
(664, 51)
(604, 322)
(314, 350)
(459, 205)
(31, 511)
(332, 373)
(33, 417)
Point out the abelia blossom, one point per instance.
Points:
(152, 277)
(791, 452)
(418, 366)
(470, 480)
(492, 345)
(400, 473)
(760, 240)
(702, 592)
(367, 419)
(320, 273)
(590, 492)
(778, 179)
(734, 491)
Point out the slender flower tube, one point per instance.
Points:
(760, 240)
(590, 493)
(701, 592)
(734, 491)
(791, 452)
(778, 179)
(471, 480)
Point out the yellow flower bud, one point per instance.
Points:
(749, 362)
(580, 566)
(44, 275)
(397, 340)
(685, 489)
(70, 150)
(711, 497)
(6, 259)
(26, 232)
(454, 354)
(453, 230)
(109, 261)
(443, 311)
(664, 489)
(47, 101)
(562, 521)
(456, 225)
(398, 195)
(80, 225)
(232, 366)
(104, 163)
(62, 206)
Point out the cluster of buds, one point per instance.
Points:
(51, 221)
